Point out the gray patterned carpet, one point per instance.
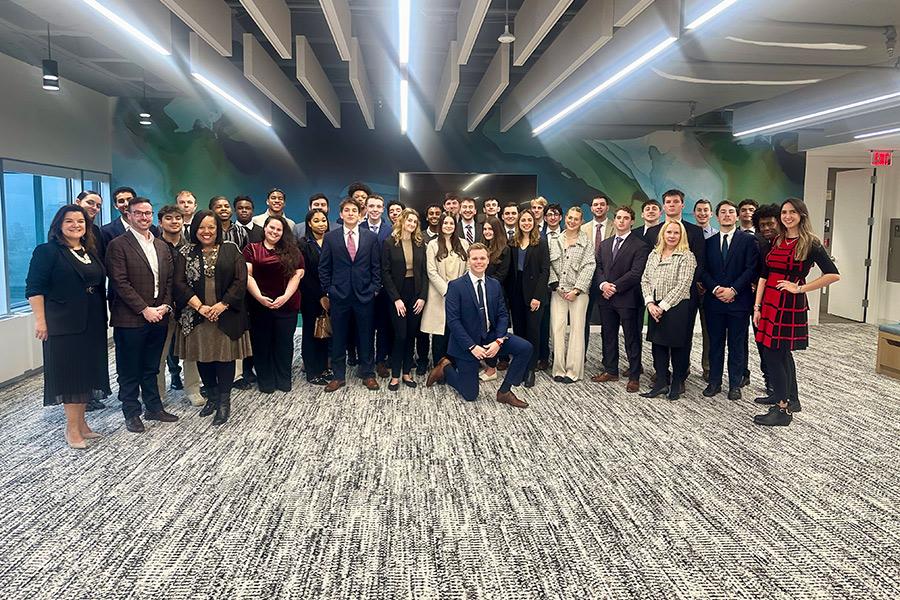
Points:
(590, 493)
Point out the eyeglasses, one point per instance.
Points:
(141, 213)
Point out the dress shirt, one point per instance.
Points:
(749, 230)
(468, 228)
(475, 281)
(722, 236)
(150, 252)
(553, 233)
(599, 228)
(709, 231)
(510, 231)
(374, 227)
(125, 223)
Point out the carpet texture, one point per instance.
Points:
(589, 493)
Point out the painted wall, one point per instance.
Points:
(191, 147)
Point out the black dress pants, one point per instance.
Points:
(727, 328)
(630, 320)
(782, 373)
(405, 330)
(384, 331)
(527, 323)
(313, 350)
(438, 346)
(217, 377)
(138, 351)
(423, 347)
(272, 336)
(679, 358)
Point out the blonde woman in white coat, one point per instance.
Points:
(445, 260)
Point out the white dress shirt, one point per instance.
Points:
(150, 252)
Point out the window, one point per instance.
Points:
(30, 195)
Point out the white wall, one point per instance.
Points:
(884, 296)
(69, 128)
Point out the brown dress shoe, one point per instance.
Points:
(542, 365)
(334, 385)
(437, 373)
(502, 365)
(382, 370)
(510, 398)
(633, 385)
(371, 383)
(604, 377)
(161, 415)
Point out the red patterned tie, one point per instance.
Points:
(351, 245)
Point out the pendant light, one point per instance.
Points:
(50, 77)
(144, 115)
(506, 37)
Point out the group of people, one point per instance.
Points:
(412, 294)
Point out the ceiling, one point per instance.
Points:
(753, 52)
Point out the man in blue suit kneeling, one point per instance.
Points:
(477, 321)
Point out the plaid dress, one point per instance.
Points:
(783, 317)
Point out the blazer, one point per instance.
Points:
(53, 275)
(624, 272)
(535, 276)
(575, 270)
(642, 235)
(350, 280)
(588, 228)
(697, 244)
(668, 281)
(230, 281)
(738, 271)
(310, 286)
(384, 230)
(477, 230)
(132, 280)
(464, 317)
(500, 269)
(98, 242)
(393, 270)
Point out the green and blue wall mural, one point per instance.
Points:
(191, 146)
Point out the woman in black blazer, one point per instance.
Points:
(66, 292)
(210, 286)
(405, 279)
(313, 350)
(527, 285)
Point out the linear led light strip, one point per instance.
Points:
(404, 105)
(127, 26)
(403, 9)
(816, 115)
(212, 86)
(605, 85)
(863, 136)
(710, 14)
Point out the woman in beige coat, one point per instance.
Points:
(445, 260)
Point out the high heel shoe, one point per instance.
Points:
(82, 445)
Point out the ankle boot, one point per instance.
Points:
(224, 409)
(212, 404)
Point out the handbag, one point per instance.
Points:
(322, 329)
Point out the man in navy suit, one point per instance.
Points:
(731, 262)
(384, 332)
(350, 273)
(477, 321)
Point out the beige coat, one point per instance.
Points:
(440, 273)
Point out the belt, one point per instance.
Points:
(91, 289)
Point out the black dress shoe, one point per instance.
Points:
(529, 379)
(318, 381)
(656, 391)
(568, 380)
(745, 381)
(352, 362)
(794, 406)
(160, 415)
(409, 383)
(394, 386)
(209, 408)
(421, 369)
(768, 400)
(223, 410)
(558, 378)
(134, 425)
(675, 391)
(176, 383)
(734, 393)
(94, 404)
(774, 418)
(241, 384)
(712, 390)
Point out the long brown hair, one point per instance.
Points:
(806, 240)
(55, 233)
(498, 242)
(397, 230)
(455, 243)
(287, 251)
(534, 236)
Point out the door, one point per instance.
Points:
(849, 243)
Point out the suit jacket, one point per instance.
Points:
(642, 235)
(53, 275)
(738, 271)
(310, 286)
(624, 271)
(350, 280)
(697, 244)
(535, 276)
(130, 276)
(477, 229)
(465, 320)
(588, 228)
(500, 269)
(99, 247)
(393, 270)
(384, 230)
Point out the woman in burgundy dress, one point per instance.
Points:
(274, 268)
(781, 306)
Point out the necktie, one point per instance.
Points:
(724, 247)
(597, 238)
(469, 237)
(509, 234)
(616, 245)
(482, 306)
(375, 229)
(351, 245)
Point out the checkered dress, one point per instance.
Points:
(783, 317)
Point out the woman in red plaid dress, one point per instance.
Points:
(781, 306)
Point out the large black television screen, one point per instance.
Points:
(418, 190)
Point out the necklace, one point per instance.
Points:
(82, 256)
(209, 261)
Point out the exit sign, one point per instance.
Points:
(882, 158)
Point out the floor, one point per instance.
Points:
(589, 493)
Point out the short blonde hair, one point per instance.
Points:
(540, 200)
(661, 240)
